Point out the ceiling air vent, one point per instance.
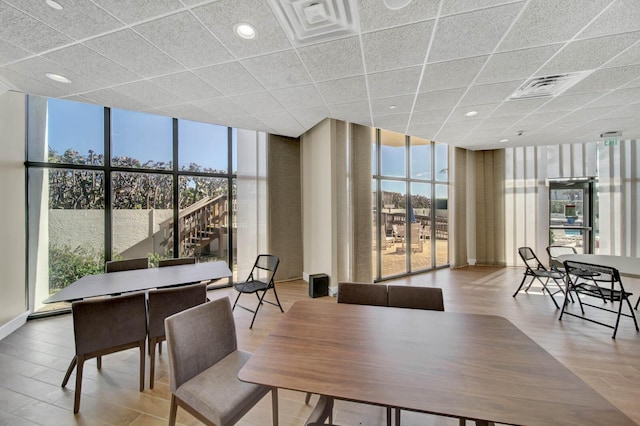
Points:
(314, 21)
(550, 85)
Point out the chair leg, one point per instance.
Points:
(99, 362)
(307, 398)
(633, 315)
(78, 392)
(173, 410)
(637, 303)
(274, 405)
(255, 313)
(397, 416)
(152, 361)
(72, 365)
(389, 416)
(142, 358)
(520, 286)
(275, 293)
(236, 302)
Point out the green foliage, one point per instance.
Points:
(67, 265)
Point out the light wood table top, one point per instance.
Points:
(478, 367)
(140, 279)
(626, 265)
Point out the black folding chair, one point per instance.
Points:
(266, 264)
(613, 292)
(537, 271)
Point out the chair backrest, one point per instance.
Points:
(127, 265)
(603, 273)
(555, 251)
(530, 259)
(362, 293)
(197, 338)
(165, 302)
(403, 296)
(99, 324)
(264, 262)
(174, 262)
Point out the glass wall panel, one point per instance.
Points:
(394, 206)
(203, 218)
(442, 162)
(203, 147)
(66, 213)
(142, 216)
(393, 154)
(420, 216)
(140, 140)
(386, 242)
(234, 230)
(441, 230)
(420, 152)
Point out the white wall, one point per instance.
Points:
(12, 214)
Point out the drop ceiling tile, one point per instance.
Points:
(130, 50)
(631, 111)
(606, 79)
(187, 86)
(451, 74)
(27, 32)
(37, 68)
(354, 111)
(282, 122)
(537, 120)
(490, 93)
(450, 7)
(516, 64)
(500, 122)
(589, 54)
(391, 83)
(31, 85)
(248, 122)
(299, 97)
(483, 111)
(220, 108)
(221, 16)
(183, 38)
(309, 117)
(78, 20)
(183, 111)
(623, 16)
(460, 126)
(87, 62)
(395, 123)
(565, 103)
(401, 104)
(438, 99)
(230, 79)
(551, 21)
(483, 29)
(343, 90)
(130, 12)
(374, 15)
(148, 93)
(519, 106)
(278, 70)
(257, 103)
(427, 131)
(630, 57)
(397, 47)
(589, 114)
(432, 116)
(321, 59)
(115, 99)
(10, 53)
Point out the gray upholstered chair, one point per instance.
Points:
(105, 326)
(362, 293)
(126, 265)
(174, 262)
(163, 303)
(402, 296)
(204, 362)
(322, 411)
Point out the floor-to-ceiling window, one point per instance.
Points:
(410, 191)
(105, 183)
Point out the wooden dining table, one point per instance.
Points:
(478, 367)
(139, 280)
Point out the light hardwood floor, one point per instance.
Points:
(34, 358)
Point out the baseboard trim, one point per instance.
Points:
(13, 325)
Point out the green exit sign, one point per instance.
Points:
(612, 141)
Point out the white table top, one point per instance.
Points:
(626, 265)
(140, 279)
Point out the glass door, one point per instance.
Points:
(572, 215)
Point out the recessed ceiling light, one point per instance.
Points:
(396, 4)
(245, 31)
(53, 4)
(392, 107)
(57, 77)
(471, 113)
(504, 140)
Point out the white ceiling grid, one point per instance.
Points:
(417, 70)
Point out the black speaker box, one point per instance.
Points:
(318, 285)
